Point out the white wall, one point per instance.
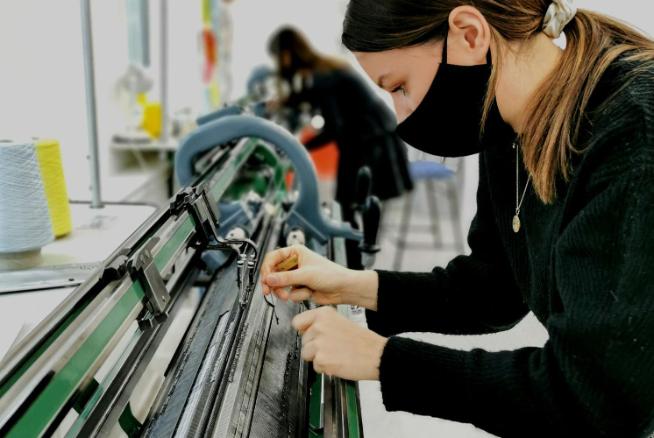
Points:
(41, 72)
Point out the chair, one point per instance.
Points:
(429, 172)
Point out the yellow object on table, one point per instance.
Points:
(152, 119)
(54, 185)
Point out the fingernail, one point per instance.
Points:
(271, 280)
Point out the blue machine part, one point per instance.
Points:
(306, 212)
(257, 78)
(233, 110)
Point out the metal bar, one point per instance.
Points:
(62, 346)
(138, 32)
(132, 341)
(35, 371)
(45, 408)
(29, 345)
(91, 110)
(330, 425)
(163, 79)
(212, 317)
(71, 338)
(29, 376)
(113, 401)
(240, 397)
(352, 410)
(51, 277)
(166, 255)
(219, 184)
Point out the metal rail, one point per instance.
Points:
(40, 380)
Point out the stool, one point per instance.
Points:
(429, 172)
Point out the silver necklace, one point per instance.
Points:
(518, 202)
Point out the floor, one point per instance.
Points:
(379, 423)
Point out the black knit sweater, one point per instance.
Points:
(584, 265)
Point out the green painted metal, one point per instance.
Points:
(258, 181)
(315, 431)
(271, 159)
(74, 430)
(161, 259)
(353, 420)
(63, 384)
(99, 390)
(175, 243)
(128, 422)
(229, 171)
(44, 346)
(86, 394)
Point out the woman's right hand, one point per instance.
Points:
(317, 278)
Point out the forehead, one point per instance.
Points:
(388, 61)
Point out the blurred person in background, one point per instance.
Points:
(358, 121)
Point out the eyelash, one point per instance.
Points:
(401, 87)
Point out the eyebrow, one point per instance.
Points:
(380, 81)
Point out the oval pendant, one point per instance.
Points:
(516, 223)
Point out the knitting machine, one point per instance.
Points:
(172, 335)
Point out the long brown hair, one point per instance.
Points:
(303, 56)
(558, 107)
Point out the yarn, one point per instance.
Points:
(54, 184)
(25, 224)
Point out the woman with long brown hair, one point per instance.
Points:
(564, 223)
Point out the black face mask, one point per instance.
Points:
(447, 123)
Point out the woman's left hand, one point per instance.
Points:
(337, 346)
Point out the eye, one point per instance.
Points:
(400, 88)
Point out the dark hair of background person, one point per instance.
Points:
(557, 109)
(290, 42)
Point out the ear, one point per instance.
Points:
(469, 37)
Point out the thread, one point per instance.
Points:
(25, 224)
(54, 184)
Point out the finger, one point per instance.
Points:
(308, 351)
(288, 278)
(273, 258)
(265, 288)
(301, 322)
(300, 294)
(318, 365)
(282, 293)
(309, 336)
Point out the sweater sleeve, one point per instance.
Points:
(474, 294)
(322, 138)
(594, 376)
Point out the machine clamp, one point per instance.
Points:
(199, 203)
(141, 268)
(116, 267)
